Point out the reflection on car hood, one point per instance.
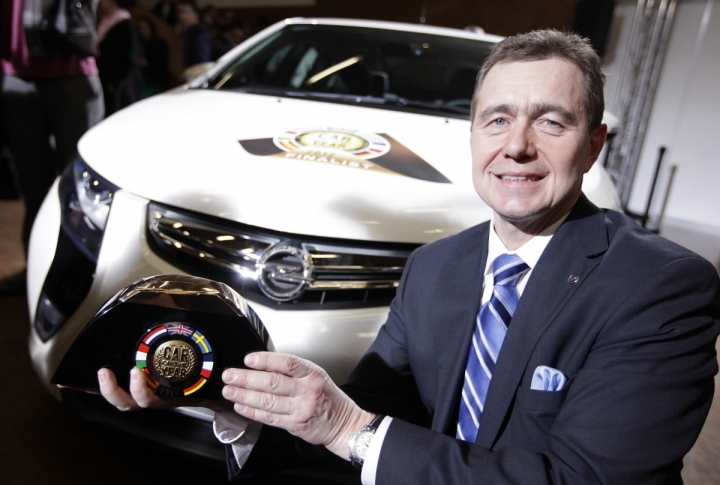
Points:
(218, 153)
(292, 165)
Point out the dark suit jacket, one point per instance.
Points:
(634, 333)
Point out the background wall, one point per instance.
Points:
(685, 115)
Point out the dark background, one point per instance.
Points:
(504, 17)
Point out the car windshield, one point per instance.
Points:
(410, 71)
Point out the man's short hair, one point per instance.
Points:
(547, 44)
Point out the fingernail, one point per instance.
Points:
(102, 377)
(134, 375)
(240, 408)
(228, 392)
(251, 360)
(228, 376)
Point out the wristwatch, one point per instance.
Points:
(360, 442)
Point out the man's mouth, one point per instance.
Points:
(522, 178)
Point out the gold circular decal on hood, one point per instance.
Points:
(337, 140)
(333, 142)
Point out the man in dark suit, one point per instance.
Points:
(557, 343)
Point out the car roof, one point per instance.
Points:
(380, 24)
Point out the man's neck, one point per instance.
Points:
(514, 235)
(510, 235)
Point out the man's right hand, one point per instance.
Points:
(140, 397)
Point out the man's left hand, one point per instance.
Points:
(288, 392)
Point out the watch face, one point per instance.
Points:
(362, 444)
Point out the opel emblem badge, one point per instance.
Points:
(285, 272)
(176, 358)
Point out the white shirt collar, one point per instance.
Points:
(529, 252)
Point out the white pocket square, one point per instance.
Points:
(547, 379)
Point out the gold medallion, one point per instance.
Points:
(337, 140)
(175, 360)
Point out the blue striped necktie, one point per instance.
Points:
(492, 323)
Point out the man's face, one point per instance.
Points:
(186, 16)
(530, 142)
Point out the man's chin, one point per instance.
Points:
(528, 220)
(520, 215)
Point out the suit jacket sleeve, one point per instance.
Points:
(383, 381)
(628, 414)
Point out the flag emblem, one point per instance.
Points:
(179, 329)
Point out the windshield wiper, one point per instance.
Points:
(355, 99)
(350, 98)
(375, 100)
(440, 106)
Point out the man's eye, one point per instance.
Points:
(500, 122)
(552, 123)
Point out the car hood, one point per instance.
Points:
(402, 177)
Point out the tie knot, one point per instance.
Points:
(507, 269)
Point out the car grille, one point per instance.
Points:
(287, 271)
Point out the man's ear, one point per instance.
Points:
(597, 141)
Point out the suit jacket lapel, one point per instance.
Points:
(581, 236)
(452, 339)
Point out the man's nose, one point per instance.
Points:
(520, 143)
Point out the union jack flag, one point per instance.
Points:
(179, 329)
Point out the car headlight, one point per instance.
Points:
(85, 199)
(286, 270)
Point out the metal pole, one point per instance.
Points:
(640, 72)
(646, 215)
(671, 179)
(628, 83)
(655, 59)
(634, 108)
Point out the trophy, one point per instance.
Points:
(181, 331)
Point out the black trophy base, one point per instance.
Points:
(185, 359)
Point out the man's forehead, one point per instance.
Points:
(555, 78)
(533, 63)
(554, 69)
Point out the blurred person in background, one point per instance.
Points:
(153, 60)
(231, 36)
(8, 180)
(165, 9)
(197, 39)
(209, 15)
(118, 60)
(51, 94)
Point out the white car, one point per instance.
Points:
(302, 169)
